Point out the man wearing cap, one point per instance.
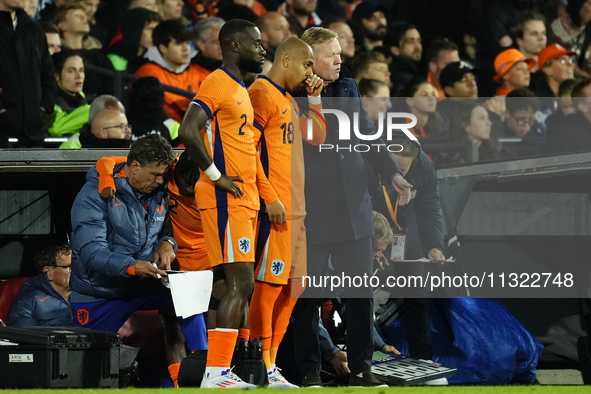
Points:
(513, 72)
(556, 64)
(458, 82)
(373, 20)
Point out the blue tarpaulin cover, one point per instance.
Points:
(488, 344)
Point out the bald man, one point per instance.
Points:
(111, 124)
(108, 129)
(274, 30)
(281, 249)
(229, 211)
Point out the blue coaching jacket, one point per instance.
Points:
(39, 304)
(109, 237)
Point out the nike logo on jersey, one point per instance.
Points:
(119, 204)
(43, 299)
(240, 102)
(283, 112)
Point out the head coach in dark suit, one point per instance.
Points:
(339, 219)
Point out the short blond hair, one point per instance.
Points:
(315, 36)
(382, 229)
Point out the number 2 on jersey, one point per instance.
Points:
(240, 132)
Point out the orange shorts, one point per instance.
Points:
(281, 251)
(229, 234)
(196, 260)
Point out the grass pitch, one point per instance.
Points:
(534, 389)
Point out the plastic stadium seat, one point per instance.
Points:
(8, 292)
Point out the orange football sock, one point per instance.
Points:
(281, 314)
(243, 333)
(260, 315)
(273, 354)
(211, 336)
(173, 369)
(225, 342)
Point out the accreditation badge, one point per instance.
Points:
(399, 244)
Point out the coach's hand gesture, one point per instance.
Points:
(228, 184)
(276, 212)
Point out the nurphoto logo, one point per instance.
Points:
(391, 119)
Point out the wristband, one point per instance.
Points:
(213, 173)
(315, 100)
(131, 270)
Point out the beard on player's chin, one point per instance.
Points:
(250, 65)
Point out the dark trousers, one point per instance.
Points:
(416, 310)
(353, 259)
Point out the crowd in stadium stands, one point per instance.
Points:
(504, 78)
(468, 53)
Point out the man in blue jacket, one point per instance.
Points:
(43, 299)
(339, 221)
(119, 248)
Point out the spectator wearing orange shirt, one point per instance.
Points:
(170, 58)
(255, 6)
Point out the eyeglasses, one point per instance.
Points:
(524, 121)
(66, 267)
(121, 126)
(569, 61)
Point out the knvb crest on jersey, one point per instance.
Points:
(277, 267)
(244, 245)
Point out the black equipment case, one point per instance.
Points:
(58, 357)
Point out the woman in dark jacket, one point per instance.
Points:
(470, 122)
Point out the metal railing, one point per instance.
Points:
(121, 77)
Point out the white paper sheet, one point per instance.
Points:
(191, 292)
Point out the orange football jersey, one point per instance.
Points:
(229, 140)
(279, 138)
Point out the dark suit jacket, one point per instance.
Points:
(338, 205)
